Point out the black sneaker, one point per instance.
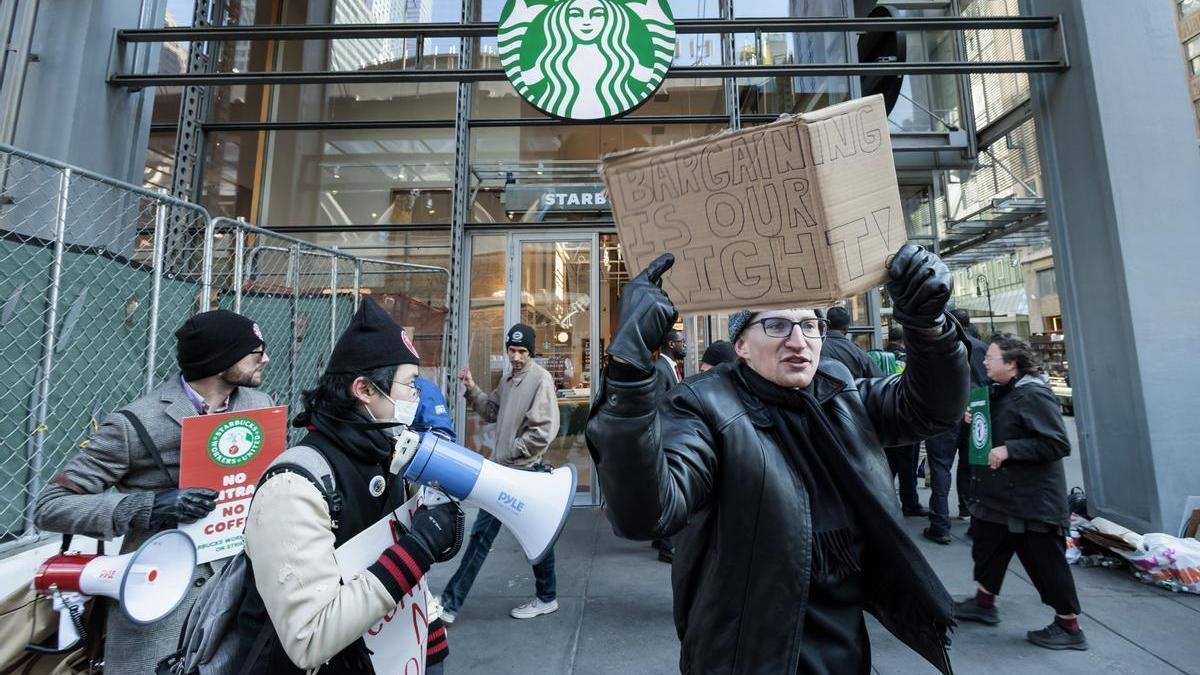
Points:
(970, 610)
(666, 555)
(939, 537)
(1055, 636)
(916, 512)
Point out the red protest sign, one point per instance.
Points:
(228, 452)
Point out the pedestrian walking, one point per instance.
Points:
(295, 595)
(525, 411)
(717, 353)
(979, 378)
(903, 460)
(221, 357)
(771, 473)
(843, 350)
(1020, 498)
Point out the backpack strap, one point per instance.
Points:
(310, 464)
(147, 442)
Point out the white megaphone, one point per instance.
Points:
(533, 505)
(148, 583)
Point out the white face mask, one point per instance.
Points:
(403, 412)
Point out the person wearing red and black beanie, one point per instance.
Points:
(354, 415)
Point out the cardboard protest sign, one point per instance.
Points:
(397, 642)
(228, 452)
(799, 212)
(980, 442)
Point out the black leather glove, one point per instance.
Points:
(439, 530)
(644, 315)
(186, 505)
(920, 287)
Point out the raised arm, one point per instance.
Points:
(931, 393)
(656, 461)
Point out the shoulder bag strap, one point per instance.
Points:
(147, 442)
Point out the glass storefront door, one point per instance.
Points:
(546, 281)
(551, 290)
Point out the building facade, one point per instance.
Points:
(387, 129)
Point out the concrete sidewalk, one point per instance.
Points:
(615, 614)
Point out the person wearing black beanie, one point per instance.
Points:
(135, 450)
(717, 353)
(210, 342)
(356, 416)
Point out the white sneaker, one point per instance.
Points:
(532, 608)
(437, 611)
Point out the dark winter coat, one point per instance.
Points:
(706, 463)
(1030, 484)
(842, 349)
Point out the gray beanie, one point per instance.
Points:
(737, 323)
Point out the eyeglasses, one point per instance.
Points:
(258, 354)
(780, 327)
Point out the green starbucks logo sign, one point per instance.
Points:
(235, 442)
(979, 429)
(586, 59)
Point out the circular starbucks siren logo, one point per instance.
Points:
(586, 59)
(235, 442)
(979, 429)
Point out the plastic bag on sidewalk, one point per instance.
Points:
(1168, 561)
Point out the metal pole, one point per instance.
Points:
(357, 283)
(160, 220)
(206, 267)
(991, 314)
(294, 280)
(333, 293)
(239, 248)
(33, 479)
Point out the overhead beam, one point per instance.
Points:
(489, 28)
(497, 74)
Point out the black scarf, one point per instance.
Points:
(358, 449)
(811, 446)
(896, 574)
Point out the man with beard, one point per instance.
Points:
(772, 472)
(221, 358)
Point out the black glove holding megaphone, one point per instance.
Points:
(920, 287)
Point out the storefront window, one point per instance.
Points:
(484, 349)
(357, 177)
(549, 173)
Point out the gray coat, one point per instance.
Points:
(78, 500)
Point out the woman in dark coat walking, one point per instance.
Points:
(1019, 502)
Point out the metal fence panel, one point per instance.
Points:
(95, 277)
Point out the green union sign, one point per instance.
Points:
(586, 59)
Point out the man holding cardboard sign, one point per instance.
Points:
(771, 472)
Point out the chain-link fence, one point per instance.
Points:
(96, 275)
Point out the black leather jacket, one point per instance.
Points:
(1031, 483)
(703, 462)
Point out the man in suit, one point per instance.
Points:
(669, 364)
(843, 350)
(221, 358)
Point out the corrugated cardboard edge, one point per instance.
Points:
(632, 156)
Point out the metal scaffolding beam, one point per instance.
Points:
(467, 75)
(488, 28)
